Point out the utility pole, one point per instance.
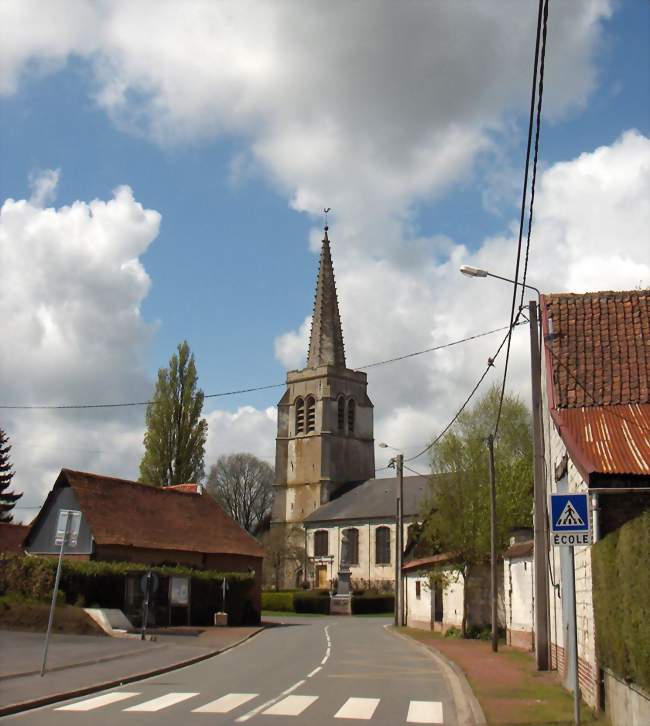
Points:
(399, 517)
(493, 545)
(541, 545)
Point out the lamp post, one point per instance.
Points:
(541, 545)
(398, 462)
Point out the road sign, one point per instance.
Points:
(570, 520)
(67, 527)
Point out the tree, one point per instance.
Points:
(284, 549)
(457, 516)
(7, 499)
(175, 438)
(243, 485)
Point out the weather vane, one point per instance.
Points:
(326, 210)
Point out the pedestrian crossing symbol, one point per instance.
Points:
(570, 520)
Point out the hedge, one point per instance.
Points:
(372, 602)
(89, 583)
(621, 592)
(312, 601)
(279, 601)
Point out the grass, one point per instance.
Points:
(21, 613)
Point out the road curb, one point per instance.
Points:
(64, 696)
(468, 709)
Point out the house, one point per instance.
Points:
(596, 419)
(126, 521)
(12, 537)
(358, 527)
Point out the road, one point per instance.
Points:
(307, 672)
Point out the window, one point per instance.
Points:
(341, 414)
(321, 543)
(382, 546)
(351, 412)
(418, 591)
(300, 416)
(311, 414)
(350, 547)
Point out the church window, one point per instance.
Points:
(351, 415)
(311, 414)
(321, 543)
(341, 414)
(382, 546)
(300, 416)
(350, 547)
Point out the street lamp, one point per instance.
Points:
(541, 582)
(398, 462)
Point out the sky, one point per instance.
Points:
(163, 173)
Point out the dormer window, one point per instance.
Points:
(341, 415)
(351, 415)
(300, 416)
(311, 414)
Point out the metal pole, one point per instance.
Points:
(493, 544)
(145, 607)
(541, 546)
(56, 589)
(576, 682)
(399, 464)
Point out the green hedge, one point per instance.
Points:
(621, 591)
(312, 601)
(89, 583)
(371, 602)
(279, 601)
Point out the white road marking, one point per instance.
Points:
(324, 661)
(98, 701)
(270, 702)
(226, 703)
(359, 708)
(315, 671)
(290, 706)
(424, 712)
(157, 704)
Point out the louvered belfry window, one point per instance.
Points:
(351, 415)
(341, 414)
(300, 416)
(311, 414)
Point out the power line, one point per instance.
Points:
(413, 471)
(490, 364)
(223, 394)
(533, 96)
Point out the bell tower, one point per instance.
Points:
(325, 418)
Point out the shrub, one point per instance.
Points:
(621, 592)
(452, 632)
(312, 601)
(279, 601)
(372, 602)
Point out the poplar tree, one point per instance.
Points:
(175, 438)
(7, 499)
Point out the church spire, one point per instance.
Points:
(326, 340)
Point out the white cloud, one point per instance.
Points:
(43, 186)
(291, 347)
(247, 429)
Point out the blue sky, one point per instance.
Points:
(422, 163)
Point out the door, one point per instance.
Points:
(321, 577)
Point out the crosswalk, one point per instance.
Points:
(356, 708)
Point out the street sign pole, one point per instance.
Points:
(145, 606)
(576, 682)
(56, 589)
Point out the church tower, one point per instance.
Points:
(325, 425)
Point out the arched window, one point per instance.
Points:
(350, 547)
(341, 414)
(351, 415)
(321, 543)
(300, 416)
(311, 414)
(382, 546)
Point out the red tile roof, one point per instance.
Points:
(423, 562)
(12, 537)
(188, 488)
(597, 349)
(127, 513)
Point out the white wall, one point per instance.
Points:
(518, 591)
(418, 611)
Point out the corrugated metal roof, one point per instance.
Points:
(610, 440)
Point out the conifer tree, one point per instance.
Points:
(175, 437)
(7, 499)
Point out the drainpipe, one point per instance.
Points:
(596, 516)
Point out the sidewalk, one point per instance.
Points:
(79, 664)
(507, 684)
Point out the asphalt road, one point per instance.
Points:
(307, 672)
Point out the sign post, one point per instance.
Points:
(148, 584)
(67, 531)
(570, 527)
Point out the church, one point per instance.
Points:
(325, 483)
